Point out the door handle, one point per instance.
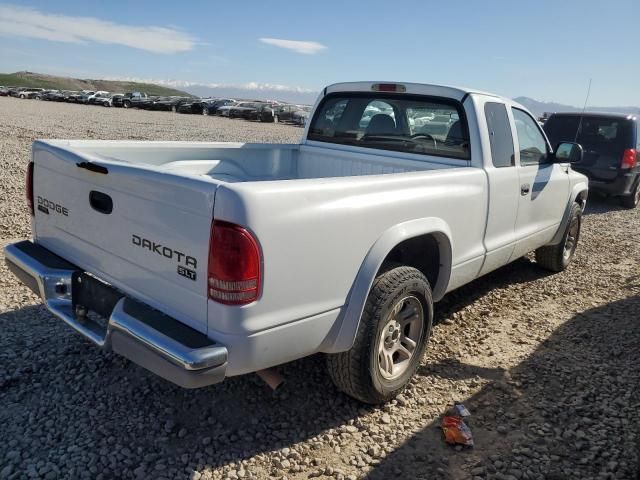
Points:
(93, 167)
(525, 188)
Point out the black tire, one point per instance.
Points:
(276, 119)
(633, 199)
(174, 109)
(205, 112)
(357, 372)
(126, 104)
(558, 257)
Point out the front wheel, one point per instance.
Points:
(126, 104)
(557, 257)
(391, 338)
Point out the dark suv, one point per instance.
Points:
(611, 144)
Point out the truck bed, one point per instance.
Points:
(153, 245)
(238, 162)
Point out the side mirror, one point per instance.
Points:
(568, 152)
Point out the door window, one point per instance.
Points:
(533, 146)
(502, 152)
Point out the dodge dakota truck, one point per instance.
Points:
(200, 261)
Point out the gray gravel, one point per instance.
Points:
(547, 365)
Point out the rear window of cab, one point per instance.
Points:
(405, 123)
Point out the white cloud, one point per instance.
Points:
(29, 22)
(250, 86)
(307, 48)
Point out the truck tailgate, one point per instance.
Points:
(143, 231)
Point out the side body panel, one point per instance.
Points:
(500, 236)
(315, 234)
(544, 194)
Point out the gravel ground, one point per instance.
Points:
(547, 365)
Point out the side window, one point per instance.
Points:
(502, 152)
(533, 147)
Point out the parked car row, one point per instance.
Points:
(264, 111)
(20, 92)
(253, 110)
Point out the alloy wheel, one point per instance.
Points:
(399, 338)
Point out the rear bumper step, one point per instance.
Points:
(620, 185)
(134, 330)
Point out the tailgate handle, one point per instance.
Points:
(101, 202)
(92, 167)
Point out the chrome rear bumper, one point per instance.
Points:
(146, 336)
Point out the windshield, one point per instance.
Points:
(407, 123)
(595, 132)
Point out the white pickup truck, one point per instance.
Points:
(200, 261)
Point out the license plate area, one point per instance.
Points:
(93, 294)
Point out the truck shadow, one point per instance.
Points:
(552, 416)
(53, 380)
(522, 270)
(599, 204)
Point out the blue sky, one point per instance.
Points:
(544, 49)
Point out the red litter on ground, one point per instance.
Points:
(456, 432)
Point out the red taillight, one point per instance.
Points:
(234, 265)
(388, 87)
(29, 187)
(629, 158)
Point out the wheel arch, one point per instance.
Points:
(414, 234)
(579, 194)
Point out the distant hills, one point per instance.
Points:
(251, 91)
(539, 108)
(39, 80)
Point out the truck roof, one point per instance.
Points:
(415, 88)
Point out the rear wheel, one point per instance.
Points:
(391, 338)
(126, 104)
(205, 112)
(557, 257)
(633, 199)
(174, 109)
